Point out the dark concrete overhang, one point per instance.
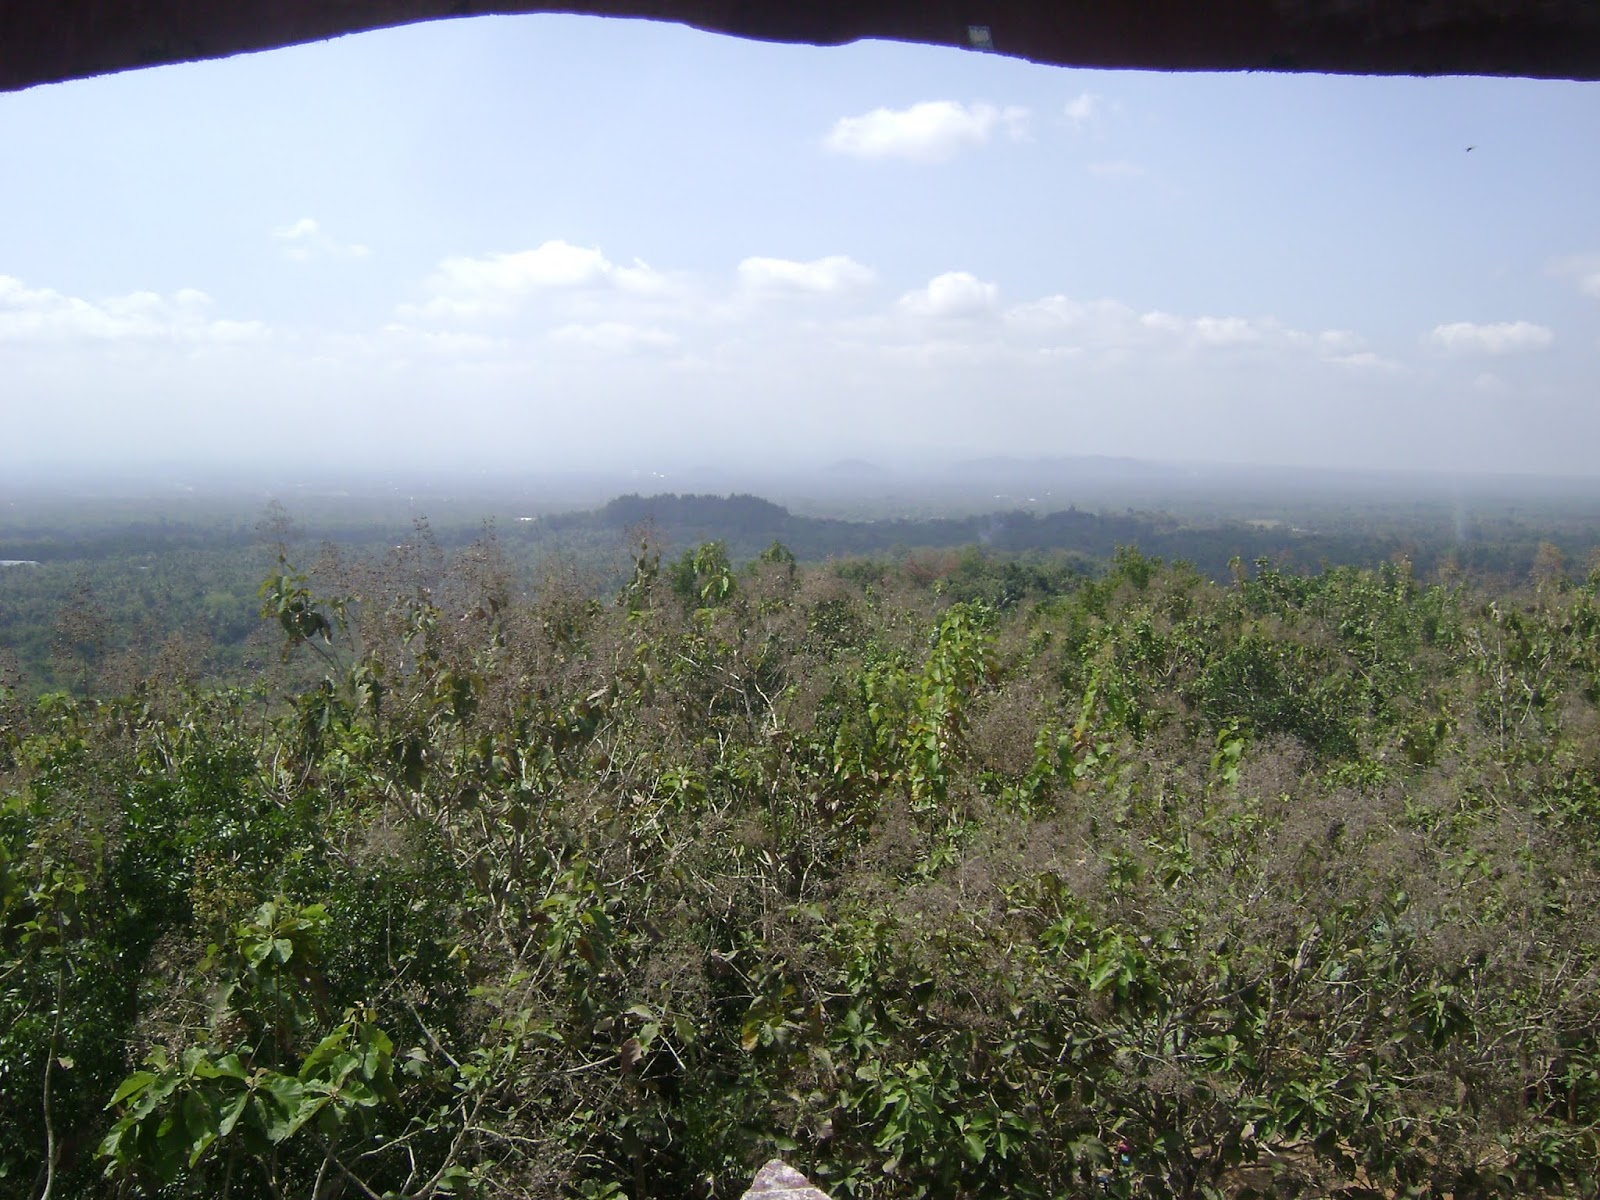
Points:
(44, 41)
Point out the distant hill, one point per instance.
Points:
(749, 524)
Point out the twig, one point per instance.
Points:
(52, 1149)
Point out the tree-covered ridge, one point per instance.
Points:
(120, 590)
(956, 882)
(747, 523)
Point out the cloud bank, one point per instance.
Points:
(1507, 337)
(497, 284)
(559, 350)
(822, 277)
(42, 315)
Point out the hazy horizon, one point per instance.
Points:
(558, 244)
(858, 489)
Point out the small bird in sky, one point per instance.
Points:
(1470, 149)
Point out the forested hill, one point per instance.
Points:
(122, 578)
(748, 524)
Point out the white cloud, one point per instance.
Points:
(495, 284)
(1218, 332)
(1165, 322)
(1267, 337)
(1056, 311)
(1227, 331)
(1082, 109)
(615, 337)
(1507, 337)
(305, 227)
(1112, 328)
(1586, 271)
(933, 131)
(823, 276)
(305, 239)
(47, 316)
(1363, 360)
(953, 294)
(1583, 269)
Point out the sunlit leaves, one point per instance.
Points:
(1154, 888)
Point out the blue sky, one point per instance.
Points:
(555, 241)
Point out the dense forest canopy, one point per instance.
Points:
(950, 874)
(132, 576)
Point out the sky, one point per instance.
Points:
(545, 242)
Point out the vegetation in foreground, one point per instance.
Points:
(941, 880)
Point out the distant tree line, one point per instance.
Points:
(151, 581)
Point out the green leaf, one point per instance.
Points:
(378, 1057)
(228, 1066)
(327, 1050)
(131, 1086)
(200, 1124)
(282, 1117)
(231, 1111)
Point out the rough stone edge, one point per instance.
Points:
(779, 1181)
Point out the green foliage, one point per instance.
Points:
(950, 878)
